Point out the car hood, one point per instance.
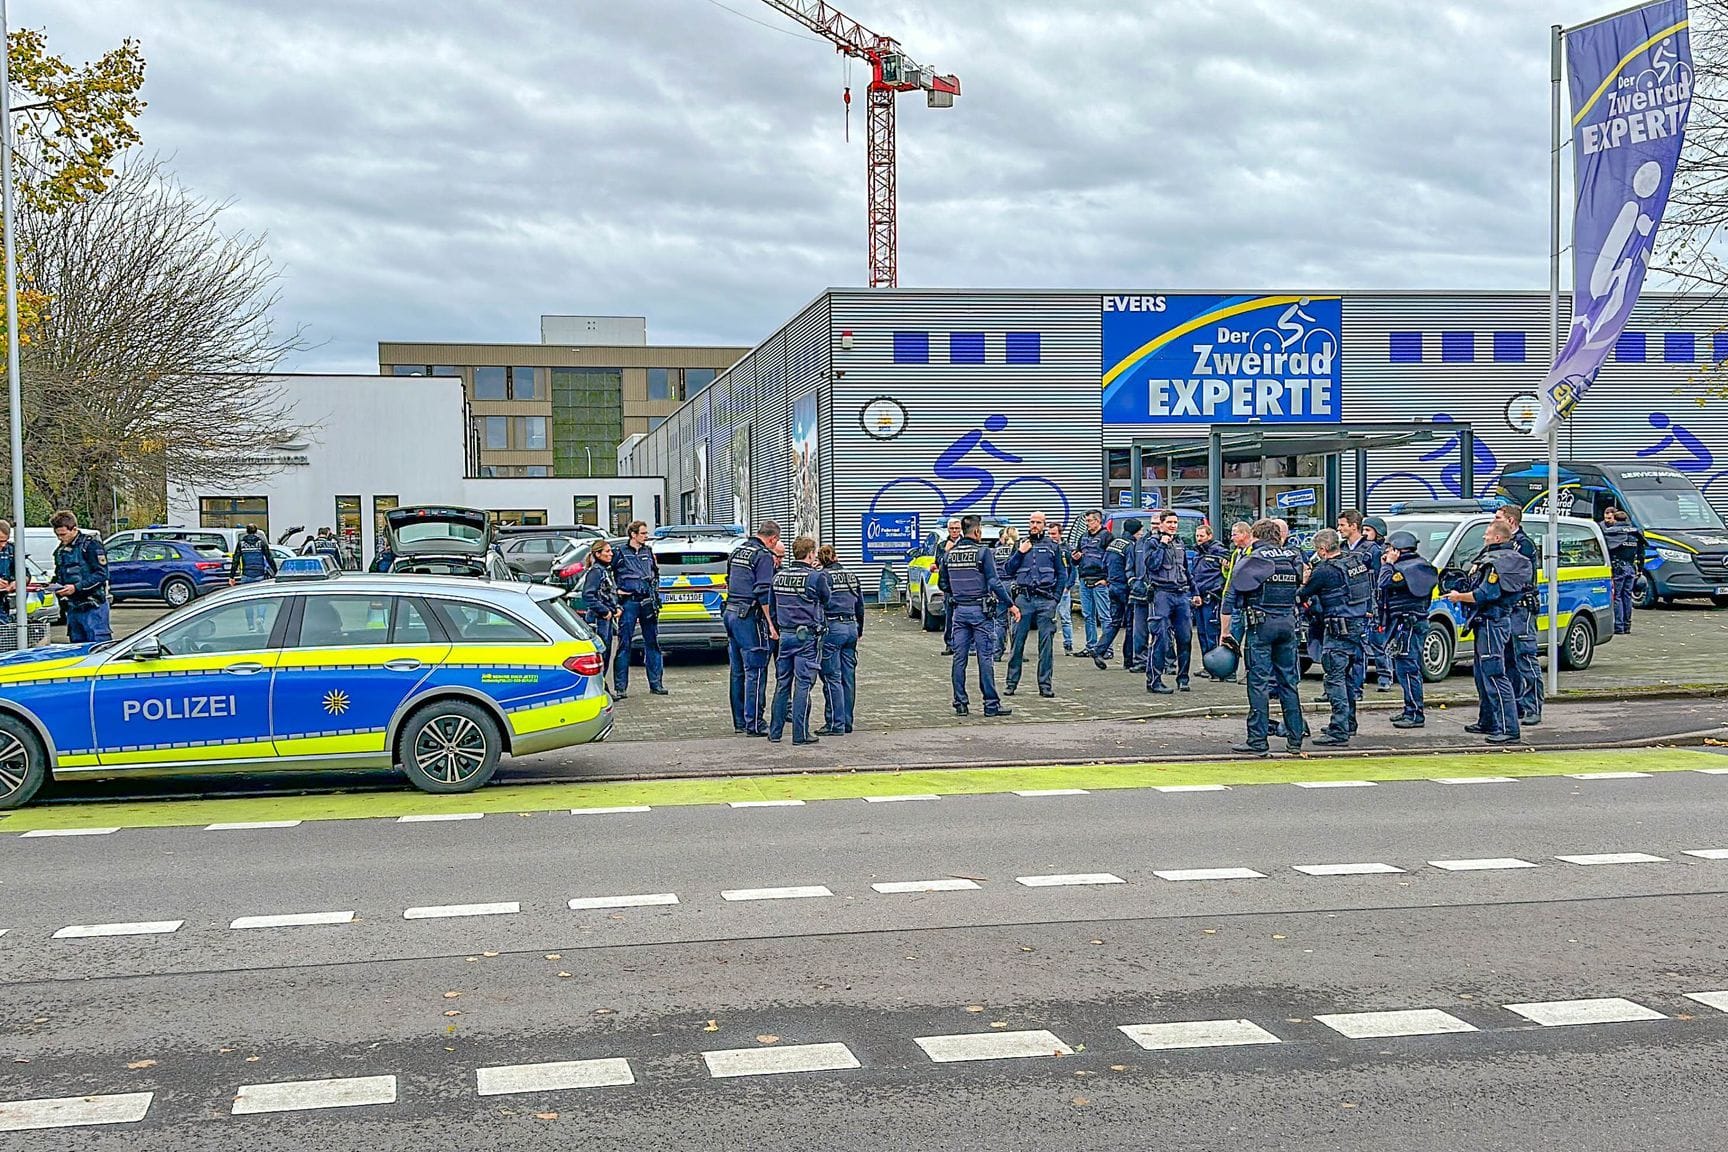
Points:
(47, 653)
(1698, 540)
(438, 531)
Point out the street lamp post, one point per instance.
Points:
(14, 385)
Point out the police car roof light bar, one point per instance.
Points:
(307, 568)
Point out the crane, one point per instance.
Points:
(891, 73)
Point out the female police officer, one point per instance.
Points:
(840, 644)
(600, 593)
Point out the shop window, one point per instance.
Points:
(586, 510)
(523, 385)
(445, 370)
(660, 384)
(490, 384)
(381, 506)
(408, 370)
(348, 529)
(621, 510)
(235, 512)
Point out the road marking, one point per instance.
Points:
(1608, 775)
(766, 804)
(898, 799)
(1346, 869)
(68, 832)
(1190, 787)
(1334, 783)
(793, 893)
(1198, 1034)
(1411, 1022)
(1488, 865)
(1710, 853)
(1614, 858)
(1064, 879)
(439, 817)
(560, 1076)
(440, 911)
(299, 1095)
(991, 1046)
(1475, 780)
(1608, 1010)
(1716, 1000)
(141, 928)
(73, 1111)
(1712, 771)
(589, 903)
(954, 884)
(248, 825)
(610, 811)
(1032, 793)
(1209, 874)
(293, 920)
(774, 1061)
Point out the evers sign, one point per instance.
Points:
(1223, 360)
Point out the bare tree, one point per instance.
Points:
(150, 364)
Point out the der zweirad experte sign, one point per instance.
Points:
(1199, 359)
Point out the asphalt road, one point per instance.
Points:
(878, 990)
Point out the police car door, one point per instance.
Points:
(204, 697)
(350, 662)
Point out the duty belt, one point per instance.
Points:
(842, 617)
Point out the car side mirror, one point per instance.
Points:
(147, 648)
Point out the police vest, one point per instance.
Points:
(1511, 570)
(1358, 585)
(1116, 563)
(254, 555)
(76, 565)
(1091, 549)
(795, 604)
(1002, 554)
(1623, 546)
(1040, 568)
(1277, 593)
(1167, 565)
(599, 589)
(965, 567)
(1411, 588)
(1208, 575)
(634, 569)
(6, 561)
(845, 595)
(741, 572)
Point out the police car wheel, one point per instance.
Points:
(1644, 594)
(1580, 648)
(450, 746)
(178, 592)
(23, 763)
(932, 622)
(1438, 651)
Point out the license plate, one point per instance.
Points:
(1722, 591)
(683, 597)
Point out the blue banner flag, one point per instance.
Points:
(1631, 84)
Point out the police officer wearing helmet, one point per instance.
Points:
(750, 631)
(1626, 546)
(1172, 614)
(1406, 585)
(1206, 577)
(638, 576)
(802, 594)
(1116, 581)
(1525, 670)
(600, 594)
(840, 645)
(1370, 533)
(1039, 574)
(81, 580)
(1500, 575)
(1263, 591)
(1341, 587)
(970, 582)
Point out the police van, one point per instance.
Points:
(1452, 540)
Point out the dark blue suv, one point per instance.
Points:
(169, 570)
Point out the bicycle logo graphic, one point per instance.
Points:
(952, 468)
(1486, 467)
(1698, 460)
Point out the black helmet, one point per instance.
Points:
(1402, 541)
(1222, 662)
(1378, 525)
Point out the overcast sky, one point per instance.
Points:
(450, 169)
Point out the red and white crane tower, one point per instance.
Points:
(891, 73)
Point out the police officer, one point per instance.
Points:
(840, 645)
(1090, 558)
(970, 581)
(1172, 614)
(81, 579)
(383, 559)
(1525, 670)
(1342, 588)
(1038, 572)
(252, 562)
(1626, 547)
(326, 544)
(802, 593)
(1366, 535)
(1135, 644)
(1263, 590)
(750, 632)
(1206, 578)
(1500, 575)
(1116, 581)
(638, 576)
(8, 576)
(600, 594)
(1000, 607)
(1406, 584)
(942, 547)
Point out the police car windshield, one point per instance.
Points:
(1673, 510)
(1431, 535)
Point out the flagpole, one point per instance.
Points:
(1551, 544)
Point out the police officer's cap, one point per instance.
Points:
(1402, 541)
(1132, 525)
(1378, 525)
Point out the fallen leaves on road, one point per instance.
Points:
(488, 954)
(137, 1064)
(1095, 941)
(452, 995)
(1209, 931)
(453, 1012)
(1118, 1067)
(545, 1115)
(998, 1023)
(1278, 936)
(1081, 1102)
(553, 956)
(767, 1038)
(974, 1007)
(711, 1026)
(563, 975)
(253, 1059)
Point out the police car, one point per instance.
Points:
(1451, 540)
(438, 676)
(693, 563)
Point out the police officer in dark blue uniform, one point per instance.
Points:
(840, 645)
(600, 594)
(1089, 559)
(1172, 616)
(326, 544)
(1626, 547)
(1406, 585)
(383, 559)
(1206, 577)
(1525, 670)
(1500, 575)
(1000, 608)
(1340, 586)
(1039, 574)
(1138, 642)
(750, 626)
(8, 578)
(802, 593)
(1366, 535)
(970, 582)
(1263, 589)
(81, 579)
(638, 576)
(253, 561)
(1116, 579)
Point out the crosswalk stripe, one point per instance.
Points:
(1709, 853)
(1065, 879)
(765, 804)
(1335, 784)
(991, 1046)
(1346, 869)
(1410, 1022)
(648, 900)
(1716, 1000)
(1488, 865)
(1712, 771)
(293, 920)
(559, 1076)
(1179, 874)
(1190, 787)
(951, 884)
(797, 892)
(610, 811)
(1608, 775)
(1475, 780)
(1197, 1034)
(1032, 793)
(68, 832)
(300, 1095)
(1606, 1010)
(73, 1111)
(441, 911)
(1614, 858)
(774, 1061)
(439, 817)
(898, 799)
(249, 825)
(139, 928)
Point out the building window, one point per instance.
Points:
(408, 370)
(1406, 348)
(1509, 347)
(235, 512)
(1679, 347)
(660, 384)
(587, 421)
(348, 529)
(494, 431)
(911, 347)
(1630, 348)
(622, 510)
(1025, 348)
(490, 384)
(380, 506)
(687, 507)
(523, 385)
(488, 471)
(655, 422)
(530, 433)
(586, 510)
(696, 379)
(966, 348)
(445, 370)
(518, 517)
(1457, 347)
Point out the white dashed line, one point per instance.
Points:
(647, 900)
(991, 1046)
(775, 1061)
(1561, 1013)
(73, 1111)
(1335, 784)
(1209, 874)
(766, 804)
(300, 1095)
(293, 920)
(1712, 771)
(1033, 793)
(1190, 787)
(1198, 1034)
(1489, 865)
(440, 911)
(896, 887)
(610, 811)
(1413, 1022)
(1064, 879)
(803, 892)
(1709, 853)
(1346, 869)
(1614, 858)
(439, 817)
(898, 799)
(141, 928)
(1716, 1000)
(249, 825)
(1608, 775)
(562, 1076)
(68, 832)
(1475, 780)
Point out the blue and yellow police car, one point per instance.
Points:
(438, 676)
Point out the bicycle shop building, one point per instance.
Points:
(872, 415)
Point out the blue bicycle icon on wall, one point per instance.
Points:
(953, 468)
